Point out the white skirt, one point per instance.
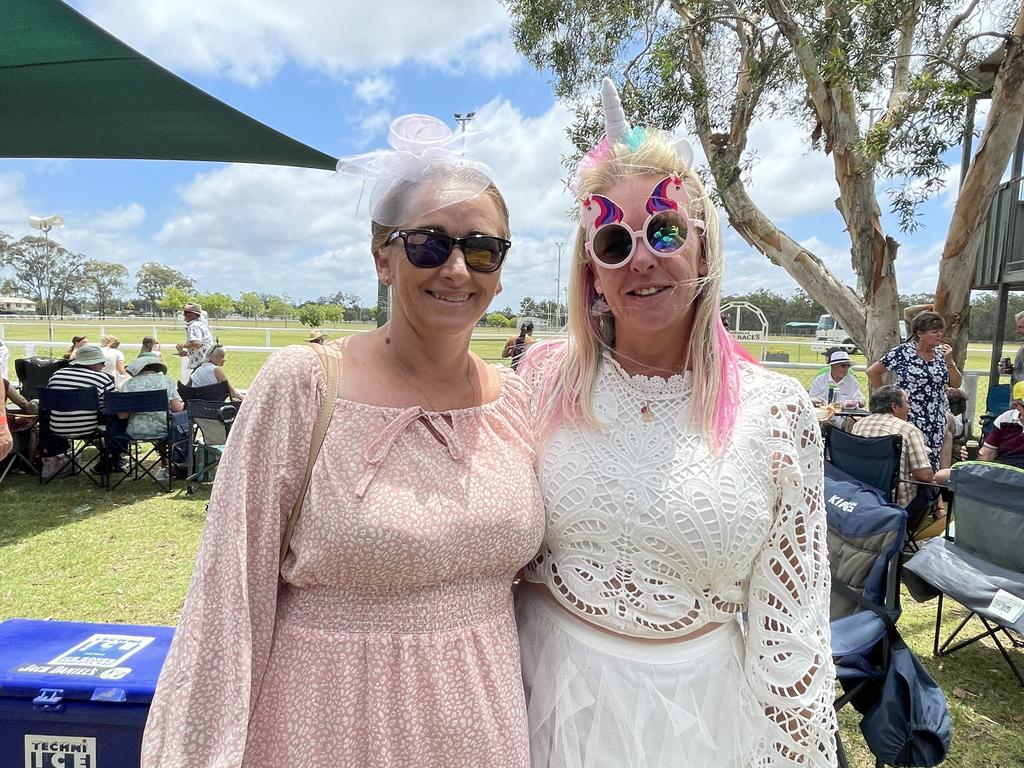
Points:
(597, 700)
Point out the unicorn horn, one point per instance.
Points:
(615, 124)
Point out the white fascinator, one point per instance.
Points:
(425, 154)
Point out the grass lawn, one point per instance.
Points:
(70, 551)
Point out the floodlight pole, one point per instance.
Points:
(463, 120)
(45, 224)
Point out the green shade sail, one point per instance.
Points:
(70, 89)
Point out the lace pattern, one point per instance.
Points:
(651, 536)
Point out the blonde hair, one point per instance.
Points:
(110, 341)
(712, 353)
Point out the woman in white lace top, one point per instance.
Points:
(677, 612)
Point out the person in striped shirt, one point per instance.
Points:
(85, 371)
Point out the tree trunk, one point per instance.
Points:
(758, 230)
(967, 225)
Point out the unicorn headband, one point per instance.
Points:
(424, 151)
(668, 227)
(617, 130)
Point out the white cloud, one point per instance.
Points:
(374, 124)
(526, 156)
(250, 40)
(375, 88)
(14, 211)
(789, 179)
(120, 218)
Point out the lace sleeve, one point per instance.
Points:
(789, 660)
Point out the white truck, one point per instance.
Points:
(831, 334)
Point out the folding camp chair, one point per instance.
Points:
(83, 399)
(34, 373)
(997, 401)
(982, 566)
(212, 422)
(865, 536)
(23, 450)
(874, 461)
(118, 435)
(218, 392)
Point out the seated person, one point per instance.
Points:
(1005, 443)
(109, 346)
(150, 346)
(20, 424)
(77, 342)
(889, 410)
(149, 373)
(211, 371)
(837, 385)
(85, 370)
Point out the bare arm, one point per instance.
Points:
(925, 475)
(875, 372)
(955, 377)
(19, 400)
(910, 312)
(986, 453)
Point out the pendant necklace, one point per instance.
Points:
(645, 412)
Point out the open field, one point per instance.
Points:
(73, 552)
(487, 342)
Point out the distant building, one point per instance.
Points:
(12, 305)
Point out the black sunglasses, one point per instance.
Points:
(428, 249)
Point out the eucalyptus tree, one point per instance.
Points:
(719, 66)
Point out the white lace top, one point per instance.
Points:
(649, 535)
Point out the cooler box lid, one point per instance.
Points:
(116, 663)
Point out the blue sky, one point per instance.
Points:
(332, 74)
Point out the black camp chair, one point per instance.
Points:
(874, 461)
(218, 392)
(84, 399)
(132, 446)
(209, 427)
(34, 373)
(982, 566)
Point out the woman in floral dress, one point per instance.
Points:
(924, 369)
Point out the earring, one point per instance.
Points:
(386, 279)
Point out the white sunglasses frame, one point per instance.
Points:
(641, 234)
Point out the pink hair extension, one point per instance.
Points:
(728, 400)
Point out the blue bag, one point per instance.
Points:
(908, 724)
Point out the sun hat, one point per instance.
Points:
(88, 354)
(142, 362)
(316, 335)
(193, 307)
(1018, 392)
(839, 356)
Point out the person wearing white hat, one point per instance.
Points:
(198, 339)
(837, 385)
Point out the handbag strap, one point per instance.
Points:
(330, 367)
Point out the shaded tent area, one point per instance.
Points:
(796, 328)
(70, 89)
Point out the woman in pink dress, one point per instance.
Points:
(386, 637)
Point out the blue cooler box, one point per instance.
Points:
(76, 695)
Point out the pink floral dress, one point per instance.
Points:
(387, 638)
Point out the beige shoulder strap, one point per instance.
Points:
(330, 366)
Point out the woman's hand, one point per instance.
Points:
(945, 350)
